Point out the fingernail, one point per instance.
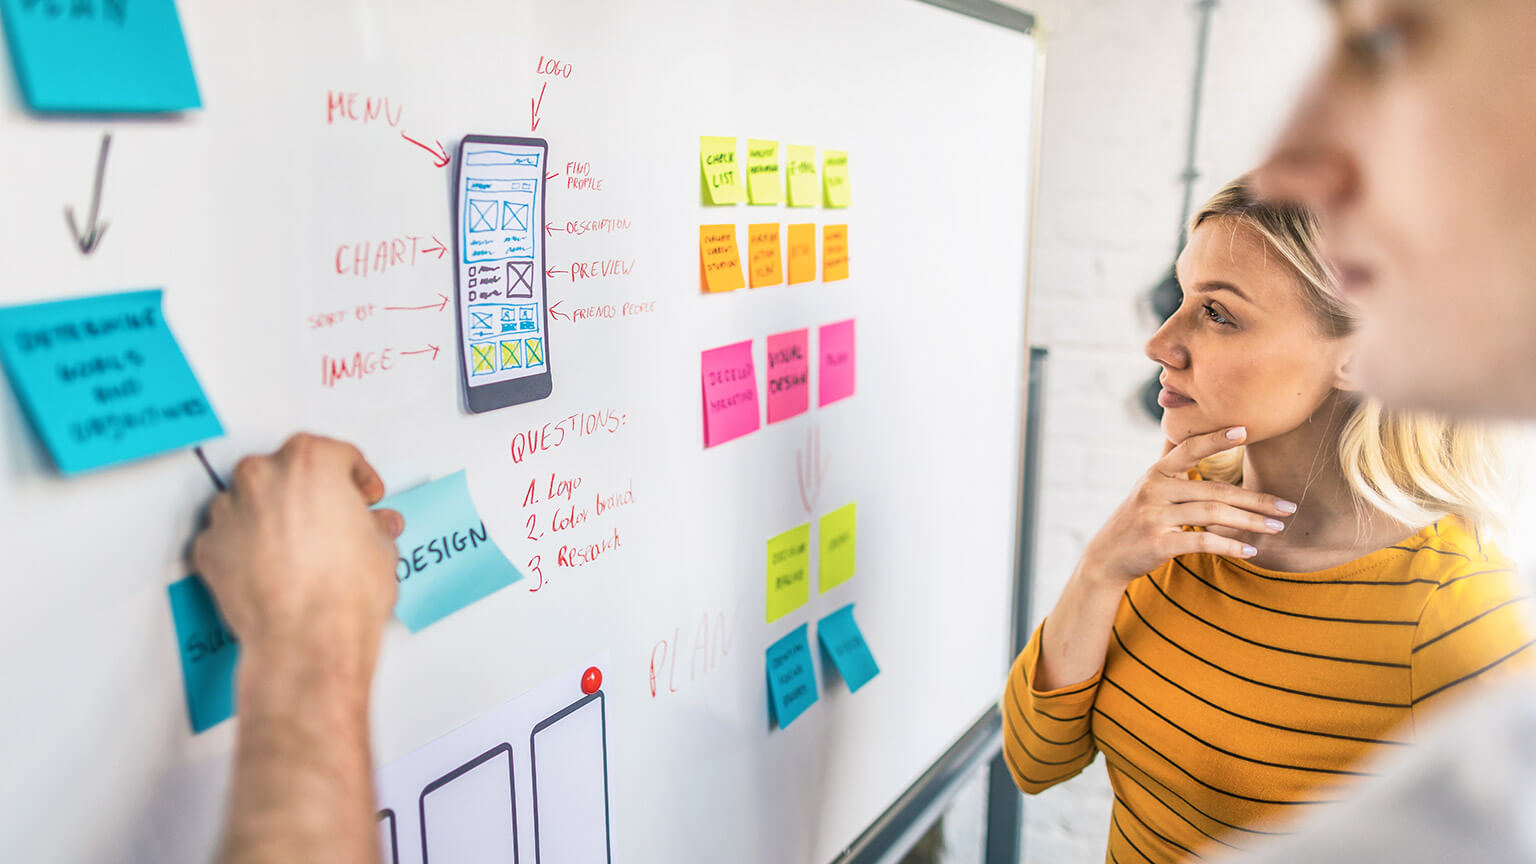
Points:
(1285, 506)
(1249, 551)
(1274, 524)
(1236, 433)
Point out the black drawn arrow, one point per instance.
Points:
(92, 236)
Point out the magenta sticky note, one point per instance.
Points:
(789, 374)
(837, 361)
(730, 393)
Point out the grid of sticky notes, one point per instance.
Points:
(728, 379)
(788, 567)
(791, 666)
(771, 174)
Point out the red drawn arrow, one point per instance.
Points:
(439, 248)
(551, 175)
(549, 230)
(430, 347)
(551, 271)
(534, 106)
(438, 306)
(439, 156)
(553, 310)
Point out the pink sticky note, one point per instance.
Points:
(730, 393)
(837, 361)
(789, 374)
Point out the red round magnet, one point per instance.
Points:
(591, 680)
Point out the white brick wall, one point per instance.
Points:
(1118, 76)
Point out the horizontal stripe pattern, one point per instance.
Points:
(1235, 700)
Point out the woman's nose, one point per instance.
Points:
(1164, 349)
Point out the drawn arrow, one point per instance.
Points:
(439, 156)
(535, 105)
(810, 470)
(550, 272)
(92, 236)
(430, 347)
(549, 230)
(438, 306)
(551, 175)
(554, 310)
(439, 248)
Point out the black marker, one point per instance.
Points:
(217, 483)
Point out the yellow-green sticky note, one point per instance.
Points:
(722, 175)
(789, 566)
(764, 182)
(834, 177)
(800, 166)
(839, 535)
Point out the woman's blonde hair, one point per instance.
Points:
(1413, 467)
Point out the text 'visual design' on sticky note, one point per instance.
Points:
(100, 55)
(791, 677)
(103, 380)
(720, 258)
(835, 378)
(723, 183)
(800, 167)
(839, 533)
(789, 571)
(447, 559)
(834, 252)
(840, 638)
(789, 374)
(209, 653)
(764, 182)
(834, 177)
(730, 393)
(764, 258)
(802, 253)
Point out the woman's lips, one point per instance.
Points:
(1171, 398)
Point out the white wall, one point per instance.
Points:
(1118, 76)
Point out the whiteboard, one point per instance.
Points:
(241, 210)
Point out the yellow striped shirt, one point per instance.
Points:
(1234, 699)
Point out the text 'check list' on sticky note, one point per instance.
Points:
(729, 382)
(723, 183)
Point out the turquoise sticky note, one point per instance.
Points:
(840, 638)
(102, 379)
(208, 653)
(100, 55)
(447, 559)
(791, 677)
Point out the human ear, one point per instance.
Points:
(1344, 376)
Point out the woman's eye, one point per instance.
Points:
(1373, 50)
(1215, 315)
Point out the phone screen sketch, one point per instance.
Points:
(388, 843)
(570, 785)
(502, 297)
(469, 815)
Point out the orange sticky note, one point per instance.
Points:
(834, 252)
(719, 257)
(764, 255)
(802, 253)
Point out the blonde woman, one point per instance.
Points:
(1290, 588)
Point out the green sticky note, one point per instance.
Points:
(722, 174)
(800, 166)
(839, 532)
(834, 177)
(789, 560)
(764, 183)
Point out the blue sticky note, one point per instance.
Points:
(208, 653)
(447, 557)
(102, 379)
(840, 638)
(100, 55)
(791, 677)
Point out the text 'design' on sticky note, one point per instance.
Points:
(730, 393)
(720, 258)
(840, 637)
(789, 571)
(209, 653)
(791, 677)
(835, 373)
(789, 371)
(102, 379)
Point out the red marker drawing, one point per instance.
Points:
(591, 680)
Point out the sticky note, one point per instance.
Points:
(835, 372)
(839, 636)
(730, 393)
(764, 182)
(720, 258)
(834, 177)
(447, 559)
(802, 253)
(209, 652)
(789, 374)
(100, 55)
(839, 533)
(791, 677)
(764, 258)
(102, 379)
(800, 167)
(834, 252)
(722, 176)
(789, 571)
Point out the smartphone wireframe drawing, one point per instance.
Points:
(569, 756)
(388, 842)
(503, 299)
(469, 815)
